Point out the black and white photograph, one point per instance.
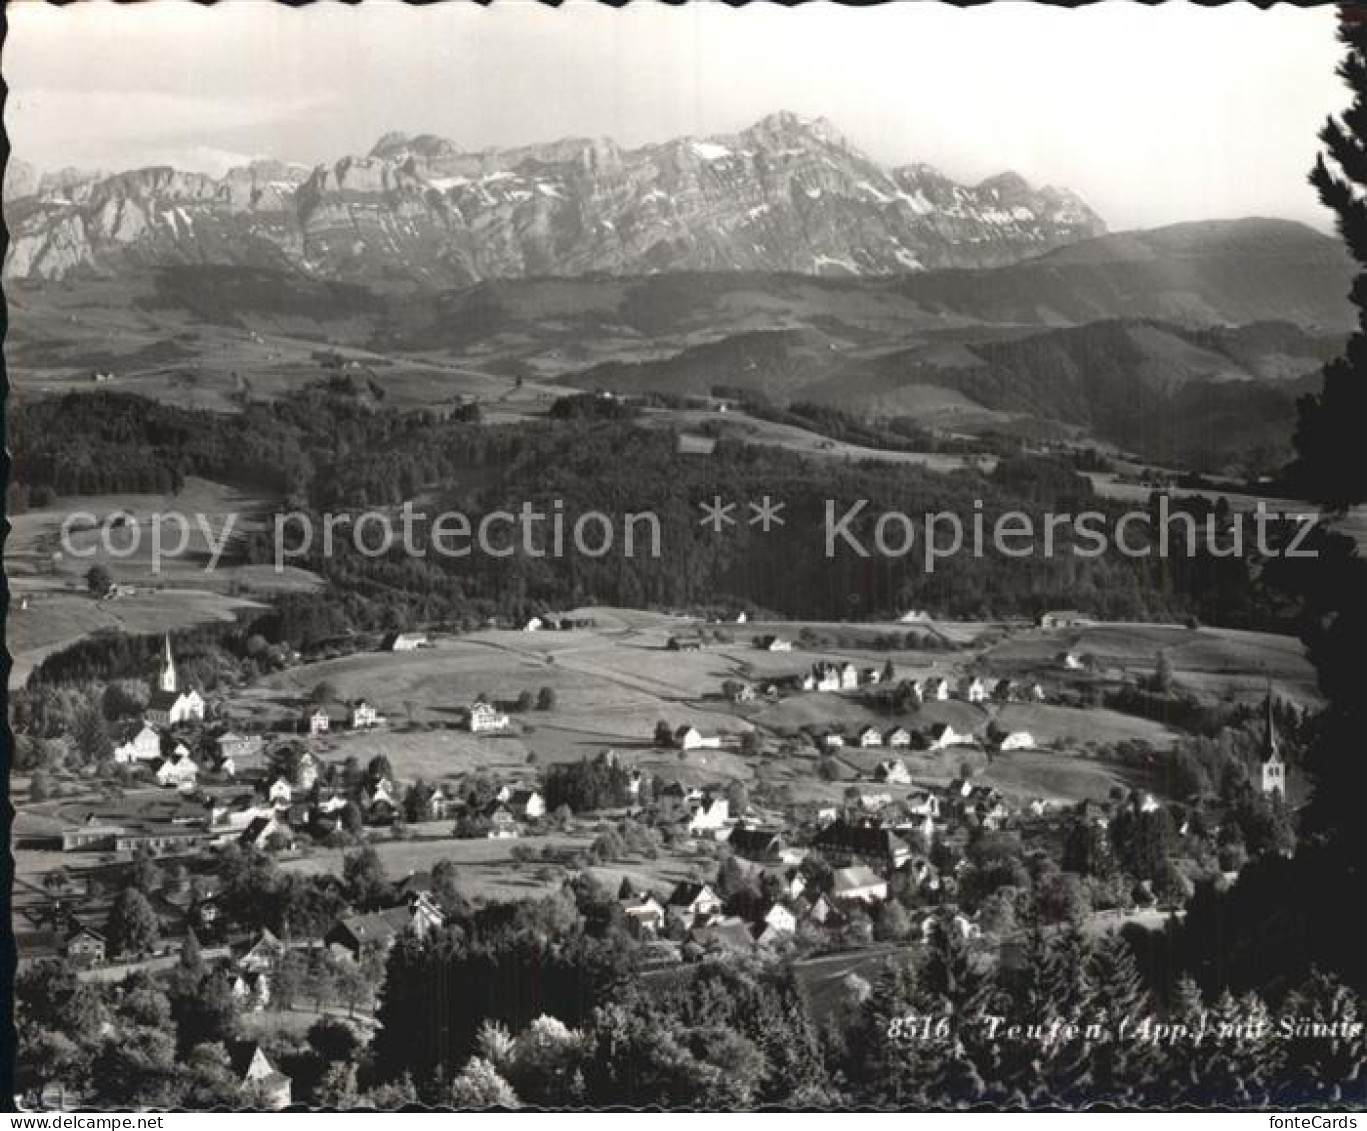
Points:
(699, 557)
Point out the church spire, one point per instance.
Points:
(1271, 748)
(166, 678)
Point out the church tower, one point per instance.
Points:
(166, 678)
(1273, 766)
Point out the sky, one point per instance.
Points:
(1155, 114)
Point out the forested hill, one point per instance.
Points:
(325, 449)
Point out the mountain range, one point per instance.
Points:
(787, 194)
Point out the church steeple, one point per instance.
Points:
(1273, 766)
(166, 678)
(1271, 747)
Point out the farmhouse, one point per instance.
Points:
(973, 690)
(897, 736)
(923, 803)
(1063, 618)
(258, 1076)
(260, 831)
(484, 717)
(264, 953)
(1017, 740)
(319, 721)
(942, 735)
(823, 677)
(178, 771)
(935, 689)
(645, 915)
(84, 947)
(870, 736)
(403, 641)
(526, 804)
(502, 823)
(237, 748)
(723, 936)
(773, 644)
(363, 715)
(137, 743)
(892, 771)
(693, 903)
(690, 738)
(352, 935)
(710, 815)
(833, 740)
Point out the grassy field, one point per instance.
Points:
(57, 619)
(489, 870)
(180, 592)
(614, 681)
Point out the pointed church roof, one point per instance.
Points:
(1271, 747)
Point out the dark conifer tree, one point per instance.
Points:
(1331, 459)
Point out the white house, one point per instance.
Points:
(897, 736)
(363, 715)
(892, 771)
(526, 803)
(870, 736)
(973, 690)
(1069, 661)
(404, 641)
(484, 717)
(179, 771)
(780, 920)
(942, 736)
(710, 815)
(690, 738)
(923, 803)
(832, 740)
(849, 677)
(935, 689)
(694, 902)
(775, 644)
(280, 792)
(319, 722)
(144, 745)
(1017, 740)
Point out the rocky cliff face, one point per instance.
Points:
(787, 194)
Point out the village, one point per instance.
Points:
(734, 829)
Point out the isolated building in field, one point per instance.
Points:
(870, 736)
(403, 641)
(363, 715)
(897, 736)
(1064, 618)
(484, 717)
